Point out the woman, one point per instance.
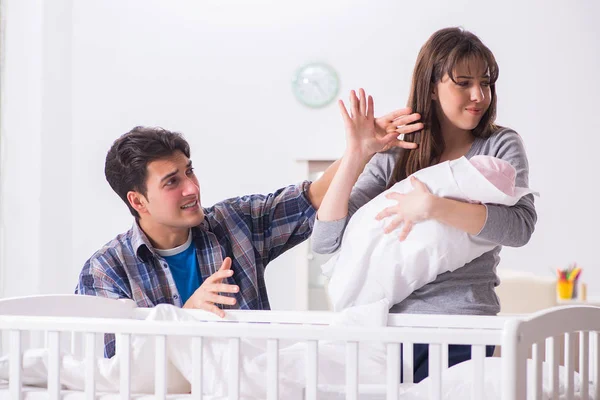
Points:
(453, 90)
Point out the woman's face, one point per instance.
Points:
(461, 104)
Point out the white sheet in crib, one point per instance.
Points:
(373, 271)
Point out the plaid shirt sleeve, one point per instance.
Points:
(99, 278)
(279, 220)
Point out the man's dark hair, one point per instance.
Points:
(128, 158)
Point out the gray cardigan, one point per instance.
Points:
(470, 289)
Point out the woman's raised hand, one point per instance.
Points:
(367, 135)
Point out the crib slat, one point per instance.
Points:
(444, 355)
(312, 369)
(595, 341)
(407, 362)
(76, 344)
(393, 370)
(197, 368)
(569, 364)
(16, 365)
(435, 371)
(160, 384)
(123, 348)
(54, 365)
(90, 366)
(272, 369)
(478, 357)
(584, 364)
(538, 353)
(234, 369)
(352, 371)
(552, 349)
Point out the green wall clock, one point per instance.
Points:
(315, 85)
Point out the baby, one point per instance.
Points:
(375, 267)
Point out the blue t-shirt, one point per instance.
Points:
(184, 267)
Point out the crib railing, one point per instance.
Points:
(517, 335)
(542, 332)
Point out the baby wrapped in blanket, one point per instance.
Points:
(374, 270)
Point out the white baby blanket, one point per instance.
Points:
(374, 270)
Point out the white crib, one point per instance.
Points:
(83, 320)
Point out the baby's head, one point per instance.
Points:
(499, 172)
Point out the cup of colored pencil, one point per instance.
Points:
(566, 285)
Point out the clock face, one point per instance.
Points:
(315, 85)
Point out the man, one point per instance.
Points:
(178, 252)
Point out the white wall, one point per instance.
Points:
(80, 73)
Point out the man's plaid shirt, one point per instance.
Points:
(252, 230)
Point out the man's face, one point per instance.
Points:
(173, 193)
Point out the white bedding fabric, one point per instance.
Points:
(373, 271)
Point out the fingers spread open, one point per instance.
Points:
(405, 230)
(354, 103)
(224, 288)
(219, 275)
(226, 264)
(397, 114)
(393, 225)
(215, 298)
(408, 129)
(386, 213)
(343, 111)
(371, 108)
(213, 309)
(362, 102)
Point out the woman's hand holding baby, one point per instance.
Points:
(413, 207)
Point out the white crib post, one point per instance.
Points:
(393, 370)
(352, 370)
(272, 369)
(312, 369)
(595, 340)
(16, 364)
(584, 364)
(478, 357)
(538, 353)
(123, 348)
(90, 366)
(514, 358)
(54, 365)
(445, 350)
(407, 362)
(160, 384)
(234, 369)
(552, 349)
(197, 368)
(569, 364)
(435, 371)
